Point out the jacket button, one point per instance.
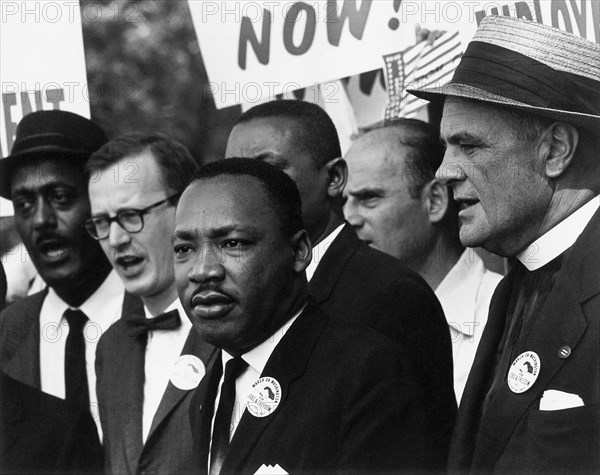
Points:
(564, 352)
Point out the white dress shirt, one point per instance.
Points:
(257, 359)
(103, 308)
(558, 239)
(319, 251)
(465, 295)
(162, 350)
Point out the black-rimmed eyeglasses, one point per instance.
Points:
(131, 220)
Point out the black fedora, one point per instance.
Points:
(50, 134)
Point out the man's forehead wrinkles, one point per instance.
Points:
(267, 155)
(211, 224)
(37, 187)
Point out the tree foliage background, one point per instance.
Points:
(145, 73)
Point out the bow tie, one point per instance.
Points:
(164, 321)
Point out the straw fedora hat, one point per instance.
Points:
(50, 134)
(528, 66)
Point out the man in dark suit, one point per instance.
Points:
(347, 278)
(44, 434)
(522, 158)
(293, 390)
(2, 286)
(150, 360)
(48, 340)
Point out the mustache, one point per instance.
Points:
(51, 238)
(211, 287)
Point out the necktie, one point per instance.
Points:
(220, 438)
(76, 384)
(165, 321)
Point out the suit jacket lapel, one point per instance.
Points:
(194, 345)
(25, 365)
(128, 383)
(332, 263)
(480, 378)
(286, 364)
(560, 322)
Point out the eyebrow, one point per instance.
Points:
(120, 210)
(186, 235)
(459, 137)
(366, 191)
(182, 234)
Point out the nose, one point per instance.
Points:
(207, 266)
(117, 236)
(44, 214)
(451, 170)
(352, 214)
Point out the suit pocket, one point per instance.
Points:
(555, 441)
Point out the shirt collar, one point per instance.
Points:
(100, 308)
(319, 250)
(257, 357)
(558, 239)
(457, 293)
(185, 321)
(95, 306)
(57, 305)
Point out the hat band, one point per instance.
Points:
(518, 77)
(46, 140)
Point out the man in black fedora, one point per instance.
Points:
(48, 340)
(521, 126)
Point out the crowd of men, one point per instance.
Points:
(290, 310)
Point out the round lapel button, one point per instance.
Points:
(564, 352)
(523, 372)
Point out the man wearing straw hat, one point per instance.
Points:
(521, 125)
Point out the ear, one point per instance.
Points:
(435, 200)
(337, 176)
(557, 148)
(302, 248)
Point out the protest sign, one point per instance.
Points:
(42, 64)
(259, 49)
(432, 65)
(256, 49)
(367, 94)
(423, 65)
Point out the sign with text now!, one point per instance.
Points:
(258, 49)
(255, 49)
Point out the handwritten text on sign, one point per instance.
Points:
(33, 76)
(284, 45)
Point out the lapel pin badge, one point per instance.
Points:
(264, 397)
(187, 372)
(564, 352)
(523, 372)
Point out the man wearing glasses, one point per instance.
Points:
(147, 363)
